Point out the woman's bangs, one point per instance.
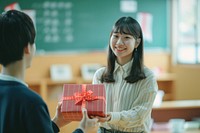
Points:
(122, 28)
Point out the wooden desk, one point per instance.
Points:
(186, 109)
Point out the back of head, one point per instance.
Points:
(16, 31)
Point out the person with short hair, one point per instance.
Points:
(21, 109)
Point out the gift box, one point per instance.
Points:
(76, 96)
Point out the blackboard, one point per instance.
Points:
(78, 25)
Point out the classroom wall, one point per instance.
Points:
(187, 81)
(187, 85)
(41, 63)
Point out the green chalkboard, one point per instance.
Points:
(75, 25)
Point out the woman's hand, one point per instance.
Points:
(103, 119)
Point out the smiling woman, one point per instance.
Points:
(130, 86)
(122, 45)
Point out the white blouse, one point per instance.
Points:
(130, 104)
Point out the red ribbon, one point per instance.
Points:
(81, 97)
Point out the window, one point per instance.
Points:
(186, 27)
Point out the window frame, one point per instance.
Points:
(188, 53)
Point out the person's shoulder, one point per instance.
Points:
(33, 96)
(100, 71)
(148, 72)
(150, 81)
(98, 74)
(26, 95)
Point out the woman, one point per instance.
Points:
(130, 86)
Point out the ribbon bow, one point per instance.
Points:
(81, 97)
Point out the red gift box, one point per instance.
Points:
(76, 96)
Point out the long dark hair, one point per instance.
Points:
(126, 25)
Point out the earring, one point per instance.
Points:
(135, 49)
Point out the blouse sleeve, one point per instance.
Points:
(142, 106)
(97, 76)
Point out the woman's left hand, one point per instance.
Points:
(103, 119)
